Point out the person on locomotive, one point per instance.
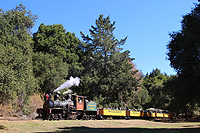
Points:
(56, 97)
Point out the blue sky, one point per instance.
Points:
(146, 23)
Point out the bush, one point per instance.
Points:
(28, 111)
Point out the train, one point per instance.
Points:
(79, 107)
(135, 114)
(71, 107)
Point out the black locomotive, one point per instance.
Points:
(71, 107)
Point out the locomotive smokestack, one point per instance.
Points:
(69, 83)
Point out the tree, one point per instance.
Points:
(102, 41)
(154, 83)
(53, 39)
(49, 70)
(17, 81)
(184, 55)
(108, 75)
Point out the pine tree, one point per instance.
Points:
(107, 75)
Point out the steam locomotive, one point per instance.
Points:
(71, 107)
(78, 107)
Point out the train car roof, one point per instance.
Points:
(79, 96)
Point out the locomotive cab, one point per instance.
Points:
(79, 101)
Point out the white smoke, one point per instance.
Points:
(68, 91)
(58, 92)
(69, 83)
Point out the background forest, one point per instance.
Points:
(31, 64)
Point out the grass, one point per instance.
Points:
(96, 126)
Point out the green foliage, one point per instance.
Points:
(52, 39)
(49, 70)
(108, 76)
(17, 81)
(140, 98)
(44, 61)
(172, 88)
(154, 83)
(184, 55)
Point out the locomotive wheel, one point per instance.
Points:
(66, 116)
(56, 117)
(59, 116)
(89, 117)
(86, 117)
(71, 116)
(127, 117)
(51, 117)
(44, 116)
(99, 117)
(79, 117)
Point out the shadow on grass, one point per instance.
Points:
(2, 127)
(124, 130)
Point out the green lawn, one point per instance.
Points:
(110, 126)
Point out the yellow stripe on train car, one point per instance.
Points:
(166, 115)
(135, 113)
(153, 114)
(159, 114)
(110, 112)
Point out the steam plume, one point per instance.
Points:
(69, 83)
(68, 91)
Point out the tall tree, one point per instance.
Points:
(102, 41)
(184, 55)
(107, 74)
(17, 81)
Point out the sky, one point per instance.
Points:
(146, 23)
